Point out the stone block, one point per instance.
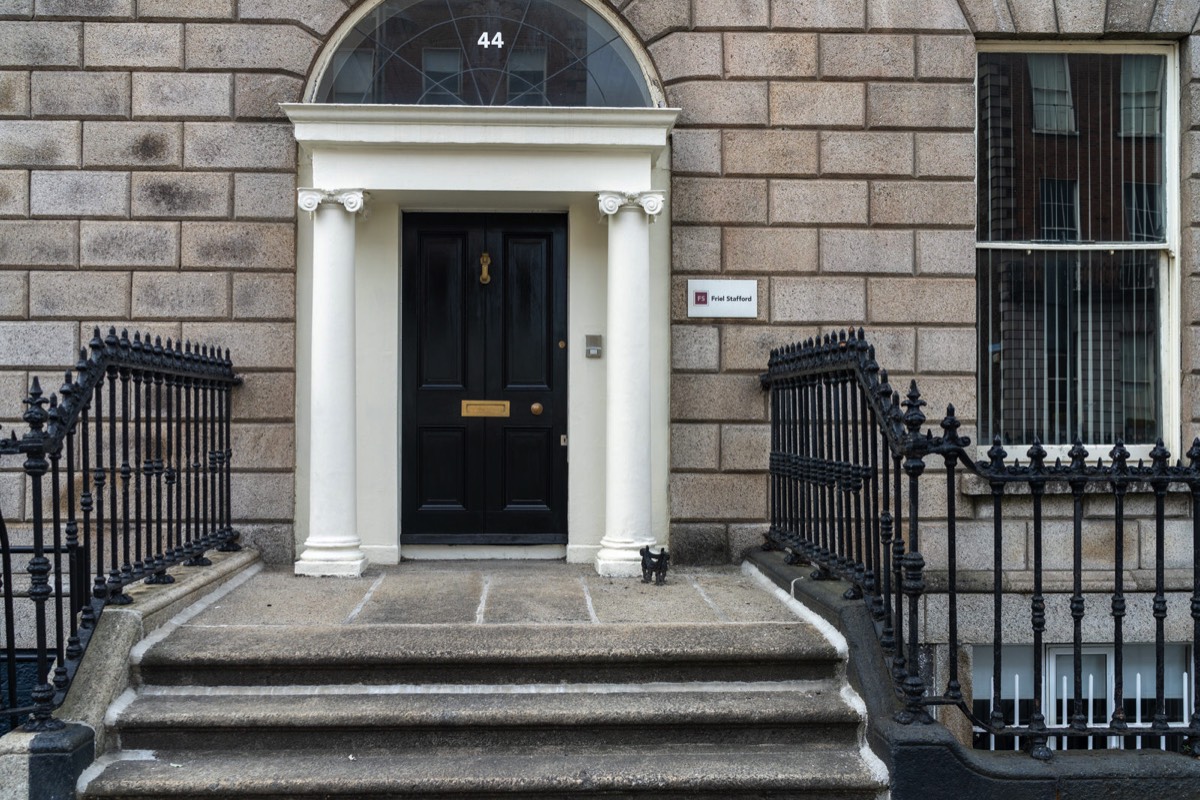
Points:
(748, 347)
(1034, 17)
(14, 193)
(653, 18)
(696, 151)
(819, 201)
(254, 345)
(257, 96)
(921, 105)
(695, 347)
(179, 95)
(718, 200)
(73, 9)
(745, 448)
(922, 203)
(759, 250)
(25, 243)
(895, 348)
(819, 14)
(946, 252)
(946, 350)
(261, 496)
(192, 9)
(708, 497)
(1177, 17)
(16, 8)
(12, 503)
(698, 544)
(129, 244)
(945, 155)
(174, 295)
(869, 55)
(1098, 545)
(258, 296)
(988, 16)
(695, 249)
(1080, 16)
(859, 153)
(813, 299)
(140, 45)
(771, 152)
(907, 15)
(263, 446)
(744, 537)
(915, 300)
(14, 94)
(40, 44)
(719, 102)
(727, 14)
(866, 251)
(695, 447)
(948, 57)
(51, 345)
(14, 295)
(217, 46)
(717, 397)
(825, 105)
(974, 542)
(318, 16)
(264, 196)
(132, 144)
(688, 55)
(181, 194)
(71, 295)
(87, 193)
(770, 55)
(231, 145)
(263, 395)
(27, 143)
(239, 245)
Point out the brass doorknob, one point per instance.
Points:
(536, 409)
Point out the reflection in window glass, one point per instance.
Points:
(527, 77)
(1060, 210)
(441, 68)
(1050, 78)
(1141, 95)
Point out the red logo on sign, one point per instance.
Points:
(701, 298)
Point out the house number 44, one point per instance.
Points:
(491, 39)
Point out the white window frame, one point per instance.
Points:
(1169, 310)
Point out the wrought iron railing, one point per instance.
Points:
(847, 471)
(128, 472)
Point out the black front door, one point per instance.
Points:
(484, 457)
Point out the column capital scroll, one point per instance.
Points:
(650, 202)
(352, 200)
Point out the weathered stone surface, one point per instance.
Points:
(695, 447)
(819, 14)
(717, 397)
(745, 448)
(758, 250)
(132, 144)
(770, 55)
(719, 200)
(874, 55)
(80, 94)
(895, 348)
(688, 55)
(230, 145)
(264, 196)
(84, 8)
(703, 496)
(263, 496)
(819, 201)
(264, 296)
(744, 537)
(264, 395)
(720, 102)
(181, 194)
(78, 194)
(1034, 16)
(285, 48)
(129, 244)
(1099, 539)
(26, 243)
(240, 245)
(813, 299)
(697, 151)
(653, 18)
(1170, 16)
(14, 299)
(318, 16)
(866, 251)
(14, 193)
(130, 44)
(264, 446)
(26, 143)
(817, 104)
(1080, 16)
(945, 155)
(695, 347)
(695, 249)
(899, 105)
(40, 44)
(909, 15)
(988, 16)
(255, 345)
(14, 94)
(71, 295)
(922, 203)
(859, 152)
(946, 350)
(946, 252)
(946, 57)
(730, 13)
(770, 152)
(257, 96)
(698, 543)
(37, 344)
(179, 95)
(174, 295)
(192, 9)
(748, 347)
(912, 300)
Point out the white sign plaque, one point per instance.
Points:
(723, 298)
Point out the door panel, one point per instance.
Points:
(484, 480)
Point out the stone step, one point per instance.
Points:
(771, 771)
(345, 718)
(487, 654)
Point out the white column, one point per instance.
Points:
(333, 545)
(627, 508)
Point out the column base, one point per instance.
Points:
(331, 569)
(621, 562)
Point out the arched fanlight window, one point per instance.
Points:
(484, 53)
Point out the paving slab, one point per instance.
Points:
(423, 597)
(542, 597)
(281, 598)
(625, 600)
(742, 600)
